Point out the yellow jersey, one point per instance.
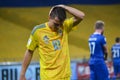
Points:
(53, 50)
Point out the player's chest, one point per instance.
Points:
(52, 40)
(48, 37)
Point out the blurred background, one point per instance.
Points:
(18, 17)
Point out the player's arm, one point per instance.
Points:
(77, 14)
(26, 62)
(105, 52)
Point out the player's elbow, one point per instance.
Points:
(79, 16)
(82, 15)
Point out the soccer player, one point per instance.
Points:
(98, 53)
(115, 50)
(51, 40)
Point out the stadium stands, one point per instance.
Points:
(16, 24)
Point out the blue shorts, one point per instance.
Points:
(116, 68)
(99, 71)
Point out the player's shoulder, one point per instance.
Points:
(102, 37)
(116, 45)
(68, 21)
(96, 36)
(113, 45)
(38, 27)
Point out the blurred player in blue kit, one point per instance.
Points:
(115, 51)
(98, 53)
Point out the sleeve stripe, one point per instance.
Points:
(37, 27)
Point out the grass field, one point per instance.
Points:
(17, 23)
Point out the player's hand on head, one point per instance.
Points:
(60, 5)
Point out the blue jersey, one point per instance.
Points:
(116, 53)
(96, 43)
(98, 68)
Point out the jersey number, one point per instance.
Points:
(92, 47)
(116, 53)
(56, 44)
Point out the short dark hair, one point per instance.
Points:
(117, 40)
(58, 12)
(99, 24)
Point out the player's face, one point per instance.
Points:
(57, 22)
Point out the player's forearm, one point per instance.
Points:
(75, 12)
(105, 56)
(26, 61)
(105, 52)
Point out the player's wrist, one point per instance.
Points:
(22, 73)
(105, 57)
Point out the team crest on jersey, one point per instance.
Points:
(46, 39)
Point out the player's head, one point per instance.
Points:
(99, 25)
(117, 40)
(58, 12)
(57, 15)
